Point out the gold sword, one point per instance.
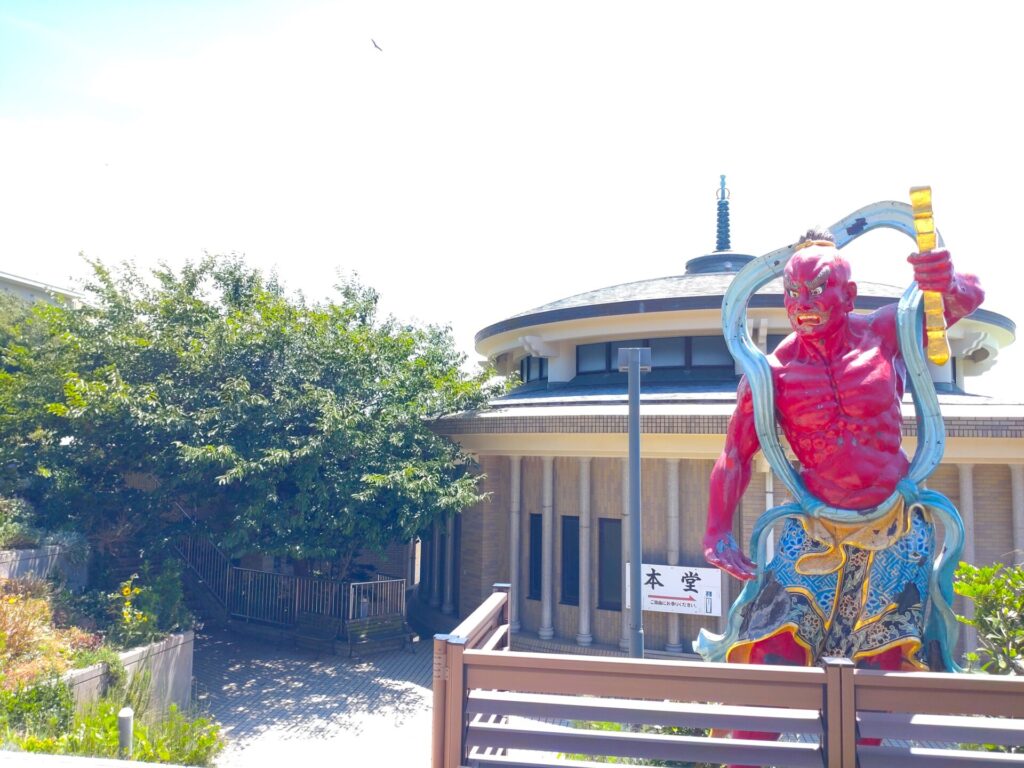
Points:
(934, 312)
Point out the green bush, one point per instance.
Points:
(45, 708)
(175, 738)
(164, 597)
(16, 524)
(997, 592)
(132, 626)
(43, 720)
(147, 607)
(90, 610)
(178, 738)
(103, 654)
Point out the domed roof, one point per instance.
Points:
(692, 290)
(701, 287)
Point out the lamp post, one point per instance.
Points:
(633, 360)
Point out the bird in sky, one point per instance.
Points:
(376, 46)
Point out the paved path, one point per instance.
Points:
(281, 706)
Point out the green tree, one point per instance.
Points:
(297, 428)
(13, 311)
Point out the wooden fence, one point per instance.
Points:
(495, 707)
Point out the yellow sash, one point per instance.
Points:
(873, 536)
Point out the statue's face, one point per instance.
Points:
(818, 293)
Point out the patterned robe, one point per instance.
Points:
(850, 591)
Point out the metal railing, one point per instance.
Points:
(250, 594)
(384, 596)
(208, 562)
(262, 596)
(323, 597)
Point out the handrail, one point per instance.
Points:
(487, 702)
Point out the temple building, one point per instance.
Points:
(553, 453)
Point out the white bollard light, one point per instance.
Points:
(125, 723)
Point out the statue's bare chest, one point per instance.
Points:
(859, 385)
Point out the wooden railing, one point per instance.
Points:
(494, 707)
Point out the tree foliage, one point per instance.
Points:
(298, 428)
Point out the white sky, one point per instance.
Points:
(497, 156)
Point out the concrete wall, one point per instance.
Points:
(42, 562)
(169, 661)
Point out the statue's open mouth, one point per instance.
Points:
(809, 318)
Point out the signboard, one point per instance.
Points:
(679, 589)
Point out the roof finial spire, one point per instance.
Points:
(722, 243)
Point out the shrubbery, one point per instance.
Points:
(45, 629)
(16, 524)
(32, 644)
(43, 719)
(45, 708)
(997, 592)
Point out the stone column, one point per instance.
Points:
(435, 567)
(423, 586)
(449, 567)
(624, 641)
(410, 569)
(967, 510)
(970, 637)
(674, 643)
(583, 636)
(1017, 490)
(547, 559)
(515, 473)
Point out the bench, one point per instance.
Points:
(316, 632)
(389, 630)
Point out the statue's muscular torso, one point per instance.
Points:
(838, 384)
(842, 415)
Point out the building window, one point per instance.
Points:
(668, 353)
(591, 358)
(774, 339)
(609, 560)
(709, 351)
(533, 368)
(680, 352)
(536, 553)
(570, 560)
